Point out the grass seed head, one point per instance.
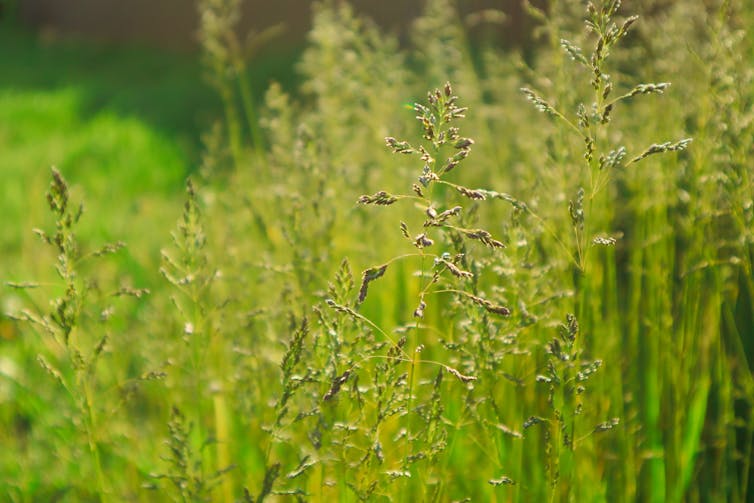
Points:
(367, 277)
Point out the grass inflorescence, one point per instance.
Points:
(370, 296)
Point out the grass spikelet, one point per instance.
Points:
(482, 236)
(367, 277)
(539, 103)
(502, 481)
(477, 195)
(336, 385)
(380, 198)
(463, 378)
(659, 148)
(490, 306)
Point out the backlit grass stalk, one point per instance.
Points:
(64, 324)
(590, 211)
(190, 272)
(225, 58)
(442, 151)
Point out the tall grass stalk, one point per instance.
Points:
(74, 344)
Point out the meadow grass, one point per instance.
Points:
(432, 273)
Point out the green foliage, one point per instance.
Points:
(558, 309)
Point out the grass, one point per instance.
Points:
(388, 294)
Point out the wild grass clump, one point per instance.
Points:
(73, 337)
(500, 305)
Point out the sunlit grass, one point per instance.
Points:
(531, 316)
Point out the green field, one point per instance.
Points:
(426, 270)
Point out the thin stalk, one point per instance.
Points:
(244, 87)
(223, 438)
(411, 378)
(232, 123)
(93, 446)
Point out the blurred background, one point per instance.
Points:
(172, 24)
(113, 93)
(69, 64)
